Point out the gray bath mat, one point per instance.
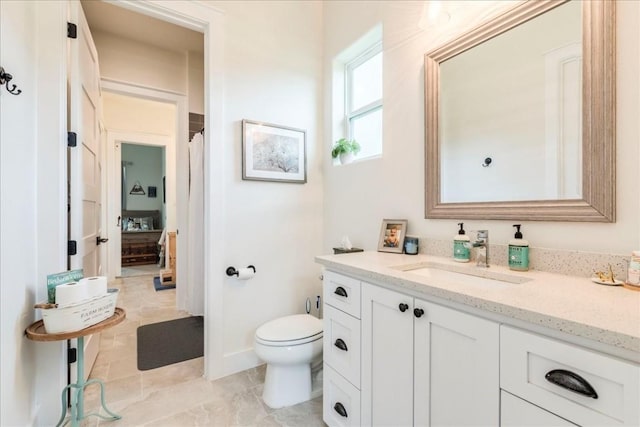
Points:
(164, 343)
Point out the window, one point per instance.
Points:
(363, 101)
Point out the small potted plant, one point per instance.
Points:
(345, 149)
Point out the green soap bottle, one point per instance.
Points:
(518, 252)
(461, 251)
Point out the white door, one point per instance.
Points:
(387, 357)
(456, 364)
(85, 169)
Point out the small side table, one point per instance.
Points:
(37, 332)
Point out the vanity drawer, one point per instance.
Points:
(340, 401)
(526, 358)
(342, 292)
(515, 412)
(341, 350)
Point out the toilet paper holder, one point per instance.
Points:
(231, 271)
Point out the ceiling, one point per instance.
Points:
(122, 22)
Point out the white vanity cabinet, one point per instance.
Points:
(424, 364)
(392, 359)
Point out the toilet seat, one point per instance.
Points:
(290, 330)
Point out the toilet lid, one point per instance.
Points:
(290, 328)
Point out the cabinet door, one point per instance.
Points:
(456, 368)
(387, 358)
(515, 412)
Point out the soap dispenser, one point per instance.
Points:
(518, 251)
(461, 251)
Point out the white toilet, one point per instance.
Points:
(289, 345)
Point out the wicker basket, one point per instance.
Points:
(79, 316)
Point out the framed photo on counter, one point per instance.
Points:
(392, 234)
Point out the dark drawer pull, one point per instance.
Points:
(340, 344)
(340, 409)
(418, 312)
(340, 291)
(403, 307)
(571, 381)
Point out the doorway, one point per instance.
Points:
(143, 208)
(141, 172)
(208, 21)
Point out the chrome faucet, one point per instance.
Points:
(482, 243)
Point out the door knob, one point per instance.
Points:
(403, 307)
(100, 240)
(418, 312)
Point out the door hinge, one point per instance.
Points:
(72, 355)
(72, 139)
(72, 247)
(72, 30)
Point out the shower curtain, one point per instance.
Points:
(193, 299)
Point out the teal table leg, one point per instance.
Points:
(77, 395)
(79, 382)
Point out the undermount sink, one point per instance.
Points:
(463, 275)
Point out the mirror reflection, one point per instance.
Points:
(511, 114)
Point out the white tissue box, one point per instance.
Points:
(81, 315)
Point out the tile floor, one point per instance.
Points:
(176, 395)
(140, 270)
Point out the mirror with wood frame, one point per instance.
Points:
(520, 116)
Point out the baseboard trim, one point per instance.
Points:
(240, 361)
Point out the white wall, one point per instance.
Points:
(195, 65)
(272, 61)
(18, 220)
(135, 115)
(129, 61)
(142, 64)
(32, 206)
(358, 196)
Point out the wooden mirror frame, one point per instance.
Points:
(598, 203)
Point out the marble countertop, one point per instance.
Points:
(574, 305)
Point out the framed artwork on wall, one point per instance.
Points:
(392, 234)
(273, 153)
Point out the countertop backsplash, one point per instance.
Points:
(571, 263)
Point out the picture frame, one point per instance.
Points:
(273, 153)
(392, 235)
